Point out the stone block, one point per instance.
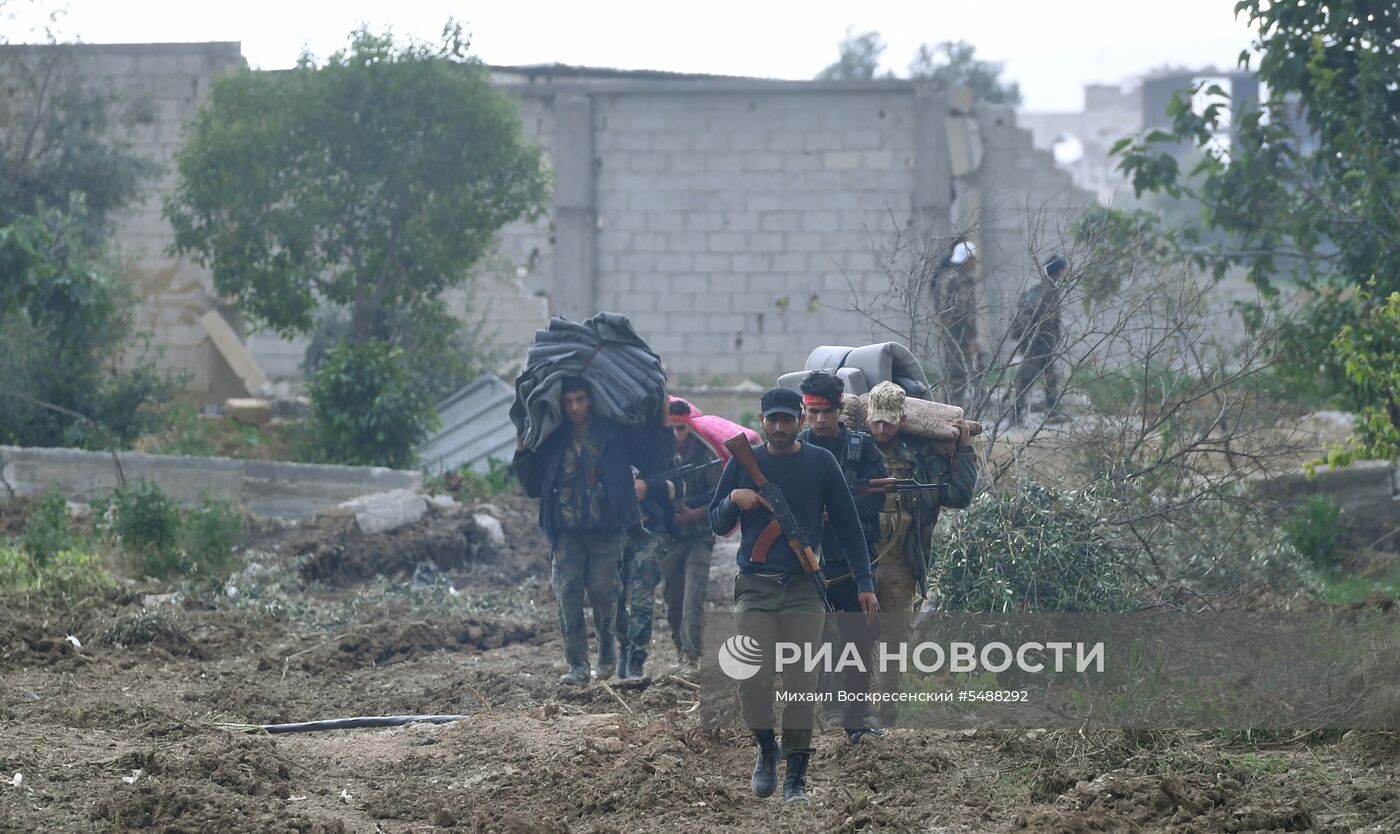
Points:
(706, 262)
(753, 262)
(741, 221)
(726, 242)
(673, 262)
(725, 163)
(820, 221)
(783, 262)
(803, 242)
(877, 160)
(665, 221)
(251, 411)
(764, 242)
(779, 221)
(385, 511)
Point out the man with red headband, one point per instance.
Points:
(860, 459)
(687, 548)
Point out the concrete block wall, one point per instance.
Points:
(727, 217)
(171, 80)
(726, 220)
(266, 488)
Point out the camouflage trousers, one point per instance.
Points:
(1037, 366)
(636, 605)
(588, 562)
(896, 587)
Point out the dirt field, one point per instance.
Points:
(128, 733)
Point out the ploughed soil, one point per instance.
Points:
(137, 729)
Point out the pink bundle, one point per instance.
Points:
(713, 430)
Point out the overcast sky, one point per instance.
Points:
(1051, 48)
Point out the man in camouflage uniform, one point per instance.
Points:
(1036, 332)
(953, 289)
(582, 474)
(686, 550)
(908, 519)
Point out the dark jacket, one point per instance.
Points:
(696, 489)
(1035, 329)
(620, 450)
(868, 463)
(953, 467)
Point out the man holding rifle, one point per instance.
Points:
(934, 474)
(779, 492)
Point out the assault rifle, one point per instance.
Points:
(887, 486)
(784, 524)
(689, 469)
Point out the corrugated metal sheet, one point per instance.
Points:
(476, 427)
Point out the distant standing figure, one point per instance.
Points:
(1036, 331)
(954, 292)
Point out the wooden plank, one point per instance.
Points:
(234, 352)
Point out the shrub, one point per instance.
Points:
(147, 523)
(210, 533)
(46, 530)
(162, 542)
(365, 409)
(465, 484)
(1032, 549)
(67, 573)
(1313, 530)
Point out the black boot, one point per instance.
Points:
(607, 659)
(795, 782)
(624, 651)
(637, 659)
(765, 768)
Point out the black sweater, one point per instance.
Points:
(812, 483)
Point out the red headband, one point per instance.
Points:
(816, 401)
(680, 419)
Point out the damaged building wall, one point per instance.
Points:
(729, 218)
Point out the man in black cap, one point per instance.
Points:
(1036, 332)
(774, 598)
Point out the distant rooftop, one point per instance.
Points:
(553, 72)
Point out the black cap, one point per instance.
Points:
(1056, 264)
(781, 401)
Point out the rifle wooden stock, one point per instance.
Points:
(739, 447)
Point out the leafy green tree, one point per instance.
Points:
(949, 64)
(73, 372)
(1370, 352)
(955, 64)
(859, 58)
(371, 181)
(1307, 186)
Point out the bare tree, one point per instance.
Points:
(1166, 412)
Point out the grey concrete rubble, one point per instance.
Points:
(384, 511)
